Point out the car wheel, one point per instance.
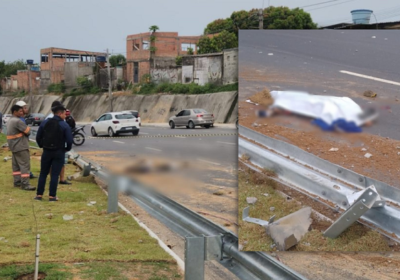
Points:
(93, 131)
(207, 126)
(171, 124)
(191, 125)
(135, 133)
(111, 132)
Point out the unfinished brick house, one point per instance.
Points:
(20, 81)
(168, 45)
(53, 59)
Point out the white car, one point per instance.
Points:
(136, 114)
(112, 124)
(6, 117)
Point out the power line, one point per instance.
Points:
(330, 5)
(317, 4)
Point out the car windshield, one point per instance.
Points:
(199, 111)
(124, 117)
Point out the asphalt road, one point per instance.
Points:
(326, 62)
(214, 146)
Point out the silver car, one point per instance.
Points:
(192, 118)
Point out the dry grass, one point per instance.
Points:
(91, 235)
(262, 97)
(254, 238)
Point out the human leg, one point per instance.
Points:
(57, 165)
(45, 165)
(16, 171)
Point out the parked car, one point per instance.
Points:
(112, 124)
(136, 114)
(6, 117)
(34, 119)
(192, 118)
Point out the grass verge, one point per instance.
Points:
(254, 238)
(91, 236)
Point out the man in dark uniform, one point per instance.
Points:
(55, 137)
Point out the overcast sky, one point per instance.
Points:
(26, 26)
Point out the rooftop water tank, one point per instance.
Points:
(361, 16)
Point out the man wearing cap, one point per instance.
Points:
(55, 137)
(18, 142)
(55, 104)
(25, 110)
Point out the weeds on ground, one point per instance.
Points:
(254, 238)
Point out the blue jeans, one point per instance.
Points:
(53, 159)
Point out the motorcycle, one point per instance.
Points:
(78, 135)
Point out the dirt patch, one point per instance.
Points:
(383, 165)
(263, 98)
(31, 276)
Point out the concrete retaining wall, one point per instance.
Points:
(152, 108)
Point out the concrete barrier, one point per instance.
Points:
(152, 108)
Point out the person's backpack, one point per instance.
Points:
(53, 135)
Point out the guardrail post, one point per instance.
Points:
(113, 195)
(197, 251)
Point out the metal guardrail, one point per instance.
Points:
(189, 224)
(320, 180)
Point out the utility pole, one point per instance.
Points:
(109, 82)
(30, 85)
(260, 19)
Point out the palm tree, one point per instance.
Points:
(153, 28)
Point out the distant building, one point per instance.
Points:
(64, 65)
(145, 51)
(379, 25)
(20, 81)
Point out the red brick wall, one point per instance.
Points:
(23, 80)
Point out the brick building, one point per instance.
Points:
(141, 56)
(20, 81)
(52, 62)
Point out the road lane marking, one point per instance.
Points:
(179, 136)
(206, 161)
(226, 143)
(119, 142)
(153, 149)
(370, 77)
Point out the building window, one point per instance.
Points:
(45, 57)
(135, 47)
(145, 45)
(185, 46)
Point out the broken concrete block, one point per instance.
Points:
(251, 200)
(363, 150)
(288, 231)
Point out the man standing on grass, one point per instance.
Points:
(63, 181)
(18, 142)
(25, 109)
(55, 137)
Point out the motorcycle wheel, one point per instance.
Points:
(78, 139)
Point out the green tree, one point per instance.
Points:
(154, 28)
(224, 40)
(274, 18)
(219, 25)
(285, 18)
(11, 68)
(116, 60)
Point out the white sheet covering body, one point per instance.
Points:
(327, 108)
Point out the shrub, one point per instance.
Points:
(56, 88)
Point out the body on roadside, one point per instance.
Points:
(18, 142)
(55, 137)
